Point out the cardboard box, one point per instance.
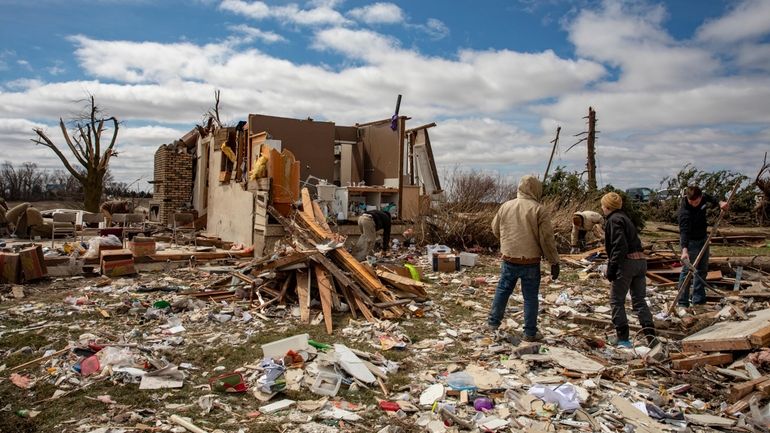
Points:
(446, 263)
(10, 269)
(32, 263)
(116, 263)
(468, 259)
(141, 247)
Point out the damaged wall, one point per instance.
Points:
(381, 152)
(230, 211)
(311, 142)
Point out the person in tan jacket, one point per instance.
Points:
(582, 223)
(524, 228)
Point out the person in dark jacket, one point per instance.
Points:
(693, 231)
(626, 269)
(370, 222)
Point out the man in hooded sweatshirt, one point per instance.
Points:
(626, 270)
(524, 228)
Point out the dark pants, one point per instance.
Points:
(530, 288)
(631, 276)
(582, 239)
(698, 288)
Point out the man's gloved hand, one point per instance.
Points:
(611, 277)
(555, 271)
(574, 250)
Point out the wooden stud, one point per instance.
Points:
(325, 292)
(303, 293)
(694, 361)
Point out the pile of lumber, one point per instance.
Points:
(317, 266)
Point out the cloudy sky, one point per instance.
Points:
(685, 81)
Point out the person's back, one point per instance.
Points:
(522, 225)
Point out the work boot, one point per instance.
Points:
(532, 338)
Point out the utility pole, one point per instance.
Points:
(555, 142)
(591, 165)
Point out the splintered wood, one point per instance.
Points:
(318, 266)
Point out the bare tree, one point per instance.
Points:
(85, 143)
(764, 186)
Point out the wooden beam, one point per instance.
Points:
(369, 281)
(694, 361)
(742, 404)
(761, 338)
(303, 293)
(325, 291)
(741, 389)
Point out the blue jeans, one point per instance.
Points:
(530, 288)
(698, 288)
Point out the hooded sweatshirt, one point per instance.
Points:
(524, 226)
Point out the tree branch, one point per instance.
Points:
(48, 143)
(109, 152)
(66, 135)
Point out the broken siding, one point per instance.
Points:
(230, 211)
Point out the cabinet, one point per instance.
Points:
(351, 201)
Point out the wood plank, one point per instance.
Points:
(319, 216)
(365, 310)
(727, 336)
(761, 338)
(658, 278)
(307, 203)
(593, 321)
(742, 404)
(285, 261)
(408, 284)
(303, 293)
(694, 361)
(325, 291)
(369, 281)
(740, 390)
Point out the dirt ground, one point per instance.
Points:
(448, 331)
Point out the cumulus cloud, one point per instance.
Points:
(323, 13)
(251, 33)
(633, 39)
(749, 19)
(496, 108)
(378, 13)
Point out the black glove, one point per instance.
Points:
(612, 277)
(555, 271)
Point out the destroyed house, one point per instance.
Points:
(232, 174)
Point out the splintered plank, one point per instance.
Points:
(740, 390)
(307, 203)
(403, 283)
(319, 217)
(710, 359)
(369, 281)
(365, 310)
(325, 291)
(303, 293)
(727, 336)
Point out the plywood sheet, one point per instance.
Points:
(728, 335)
